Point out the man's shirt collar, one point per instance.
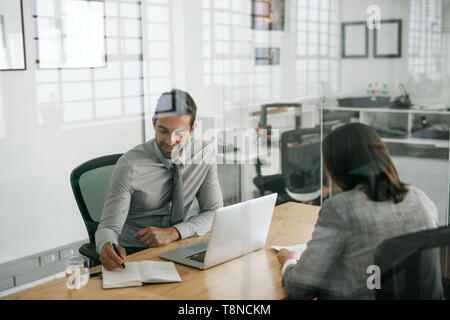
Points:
(181, 160)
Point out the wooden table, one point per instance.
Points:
(254, 276)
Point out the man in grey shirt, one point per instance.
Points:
(153, 186)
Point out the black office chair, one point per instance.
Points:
(270, 184)
(273, 183)
(411, 266)
(90, 182)
(301, 163)
(300, 166)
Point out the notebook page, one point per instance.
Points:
(158, 271)
(117, 278)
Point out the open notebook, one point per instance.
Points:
(137, 273)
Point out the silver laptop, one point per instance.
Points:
(237, 230)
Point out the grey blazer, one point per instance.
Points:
(349, 229)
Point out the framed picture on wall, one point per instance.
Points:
(267, 56)
(387, 41)
(12, 42)
(355, 43)
(268, 14)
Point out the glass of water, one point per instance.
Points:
(77, 272)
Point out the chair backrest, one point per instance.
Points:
(300, 159)
(410, 265)
(90, 182)
(265, 107)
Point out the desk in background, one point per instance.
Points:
(256, 276)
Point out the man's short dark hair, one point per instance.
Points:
(176, 103)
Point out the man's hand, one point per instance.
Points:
(157, 237)
(285, 254)
(109, 259)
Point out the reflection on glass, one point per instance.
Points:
(427, 52)
(425, 39)
(70, 33)
(161, 47)
(318, 39)
(69, 97)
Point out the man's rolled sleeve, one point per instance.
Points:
(289, 262)
(103, 236)
(185, 230)
(196, 225)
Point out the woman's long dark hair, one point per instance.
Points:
(354, 154)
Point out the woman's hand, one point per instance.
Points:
(284, 255)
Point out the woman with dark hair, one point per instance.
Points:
(373, 205)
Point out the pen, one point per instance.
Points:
(92, 275)
(117, 252)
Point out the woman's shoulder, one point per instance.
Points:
(347, 206)
(418, 195)
(415, 191)
(339, 208)
(357, 194)
(355, 200)
(346, 198)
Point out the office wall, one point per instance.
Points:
(53, 120)
(423, 87)
(358, 73)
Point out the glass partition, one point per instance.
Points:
(271, 79)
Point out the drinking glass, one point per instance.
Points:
(77, 272)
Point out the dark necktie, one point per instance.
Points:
(177, 195)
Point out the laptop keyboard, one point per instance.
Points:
(199, 257)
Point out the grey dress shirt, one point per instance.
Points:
(349, 229)
(140, 193)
